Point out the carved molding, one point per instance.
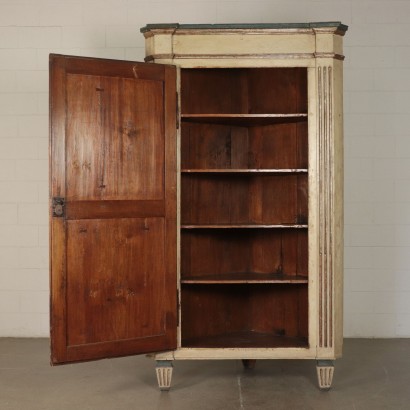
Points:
(255, 31)
(329, 55)
(326, 188)
(204, 29)
(286, 56)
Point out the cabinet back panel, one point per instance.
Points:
(280, 251)
(205, 252)
(233, 199)
(277, 90)
(213, 91)
(279, 146)
(213, 310)
(216, 146)
(275, 310)
(280, 309)
(244, 90)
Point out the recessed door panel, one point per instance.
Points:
(115, 275)
(115, 137)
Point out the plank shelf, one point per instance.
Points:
(244, 226)
(245, 171)
(246, 120)
(244, 278)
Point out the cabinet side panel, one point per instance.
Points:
(338, 220)
(330, 207)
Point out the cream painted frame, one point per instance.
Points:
(319, 49)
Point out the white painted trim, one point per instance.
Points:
(185, 353)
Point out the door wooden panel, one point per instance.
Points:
(113, 251)
(112, 289)
(123, 117)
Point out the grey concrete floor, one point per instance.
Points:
(373, 374)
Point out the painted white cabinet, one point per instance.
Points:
(260, 192)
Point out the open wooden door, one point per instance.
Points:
(113, 208)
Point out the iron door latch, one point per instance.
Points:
(58, 206)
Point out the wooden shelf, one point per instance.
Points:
(244, 226)
(245, 171)
(245, 120)
(246, 339)
(246, 278)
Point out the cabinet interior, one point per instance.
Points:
(243, 315)
(244, 91)
(244, 207)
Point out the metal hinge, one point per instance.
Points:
(58, 206)
(177, 110)
(178, 307)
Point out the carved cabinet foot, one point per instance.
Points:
(325, 370)
(164, 374)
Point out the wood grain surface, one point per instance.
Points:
(113, 253)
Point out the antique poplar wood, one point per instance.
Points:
(243, 199)
(238, 227)
(250, 253)
(235, 147)
(236, 315)
(113, 255)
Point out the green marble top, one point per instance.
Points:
(336, 24)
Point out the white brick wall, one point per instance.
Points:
(377, 136)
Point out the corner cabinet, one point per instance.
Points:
(196, 199)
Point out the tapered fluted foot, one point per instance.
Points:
(325, 370)
(164, 374)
